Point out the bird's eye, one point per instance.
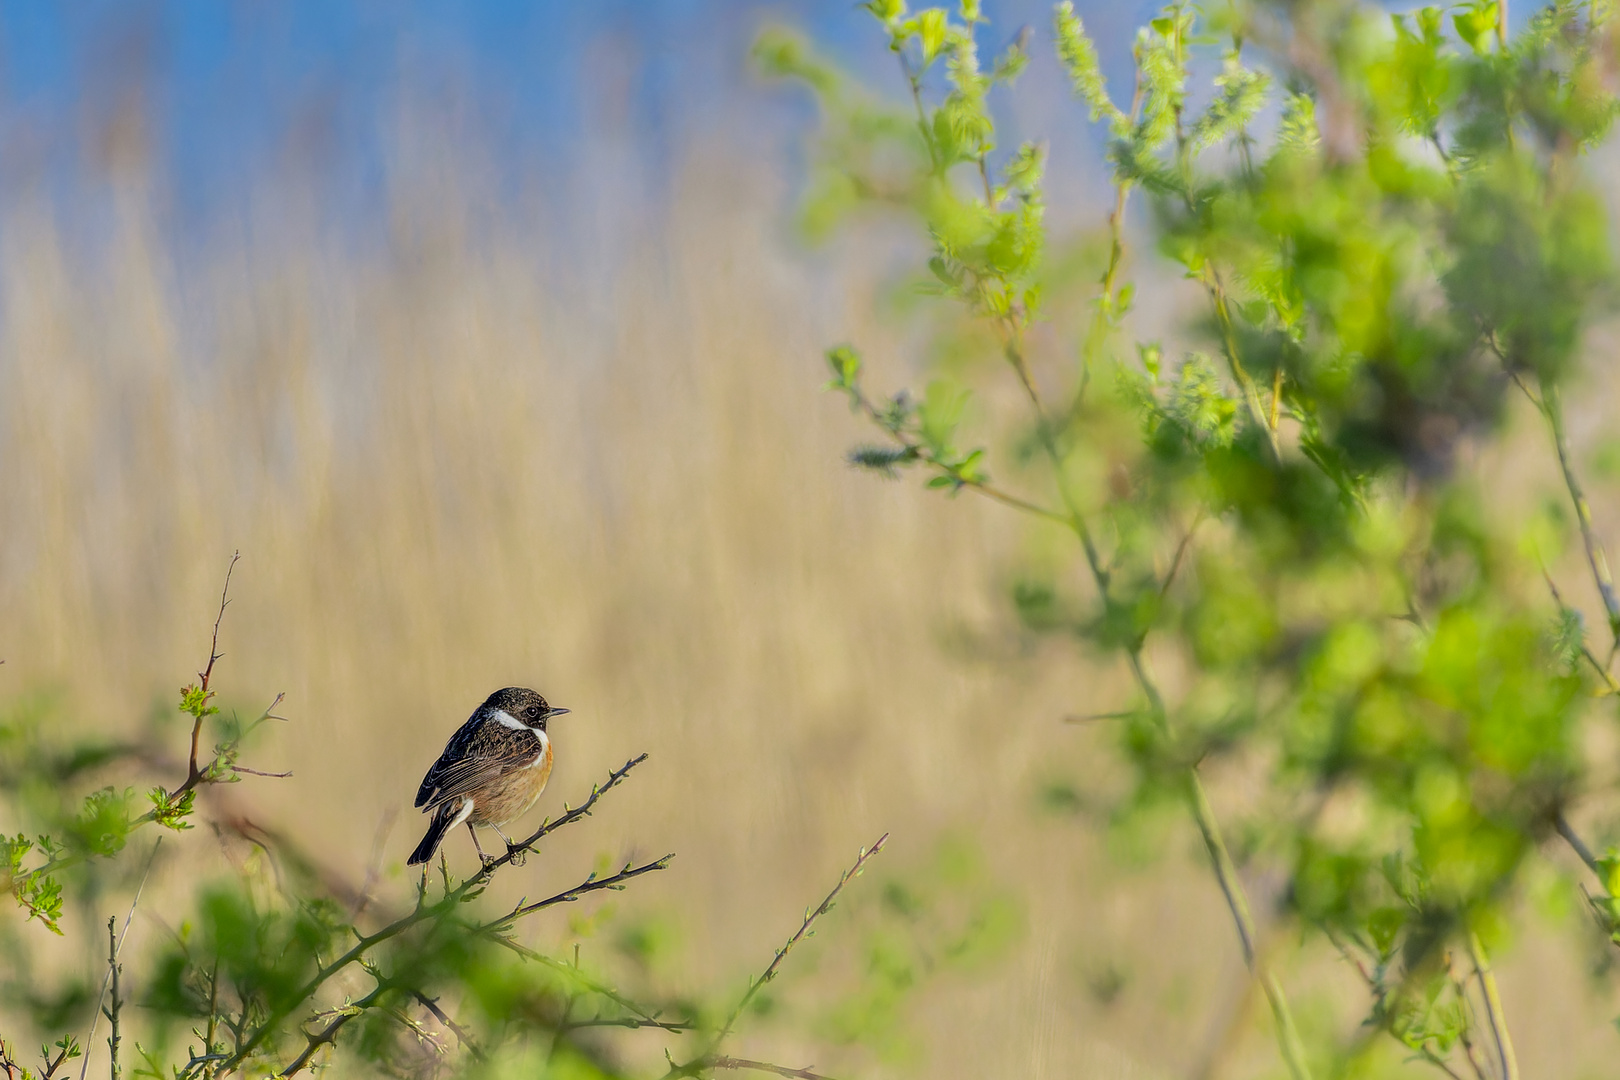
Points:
(532, 711)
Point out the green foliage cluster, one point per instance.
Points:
(1393, 227)
(264, 970)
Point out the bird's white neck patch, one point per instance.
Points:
(508, 720)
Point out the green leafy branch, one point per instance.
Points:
(67, 1049)
(922, 433)
(103, 823)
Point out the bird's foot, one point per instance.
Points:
(488, 861)
(516, 853)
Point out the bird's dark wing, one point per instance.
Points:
(479, 751)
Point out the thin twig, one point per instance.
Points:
(1550, 407)
(921, 453)
(1465, 1037)
(763, 1066)
(113, 969)
(1251, 396)
(641, 1018)
(96, 1015)
(1293, 1049)
(804, 928)
(1493, 1008)
(709, 1057)
(584, 888)
(1181, 552)
(193, 775)
(1225, 872)
(1595, 556)
(1586, 652)
(462, 1037)
(1092, 718)
(1567, 831)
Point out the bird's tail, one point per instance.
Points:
(445, 818)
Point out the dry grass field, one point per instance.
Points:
(452, 463)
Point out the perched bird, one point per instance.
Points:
(492, 770)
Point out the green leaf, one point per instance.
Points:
(846, 367)
(887, 10)
(1079, 58)
(931, 26)
(1241, 93)
(1475, 23)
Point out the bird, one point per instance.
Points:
(492, 770)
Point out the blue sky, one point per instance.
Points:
(234, 90)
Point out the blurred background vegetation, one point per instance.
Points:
(488, 337)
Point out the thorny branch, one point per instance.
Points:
(804, 928)
(466, 891)
(589, 885)
(8, 1063)
(763, 1066)
(709, 1058)
(328, 1035)
(461, 1034)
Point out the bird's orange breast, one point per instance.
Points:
(513, 794)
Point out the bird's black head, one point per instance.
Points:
(523, 705)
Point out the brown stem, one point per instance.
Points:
(192, 773)
(113, 967)
(763, 1066)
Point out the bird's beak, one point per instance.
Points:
(557, 712)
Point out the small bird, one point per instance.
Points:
(492, 770)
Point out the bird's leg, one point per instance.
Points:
(512, 851)
(485, 859)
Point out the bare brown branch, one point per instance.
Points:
(763, 1066)
(804, 928)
